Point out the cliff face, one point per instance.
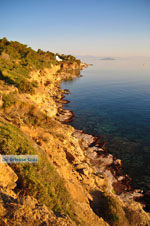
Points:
(75, 182)
(54, 138)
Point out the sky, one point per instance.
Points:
(110, 28)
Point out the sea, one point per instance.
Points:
(112, 99)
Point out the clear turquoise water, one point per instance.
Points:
(113, 99)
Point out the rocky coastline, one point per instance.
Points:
(76, 181)
(105, 164)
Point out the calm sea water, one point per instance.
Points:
(113, 99)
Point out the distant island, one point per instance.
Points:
(108, 58)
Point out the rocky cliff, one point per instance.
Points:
(75, 182)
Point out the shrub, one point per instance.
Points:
(25, 86)
(8, 100)
(107, 207)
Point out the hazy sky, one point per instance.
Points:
(82, 27)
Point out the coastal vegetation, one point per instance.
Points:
(17, 60)
(39, 180)
(8, 100)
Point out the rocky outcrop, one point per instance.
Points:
(27, 211)
(7, 176)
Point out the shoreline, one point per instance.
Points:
(99, 194)
(76, 181)
(121, 182)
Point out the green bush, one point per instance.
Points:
(25, 86)
(109, 209)
(8, 100)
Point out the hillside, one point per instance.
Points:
(75, 181)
